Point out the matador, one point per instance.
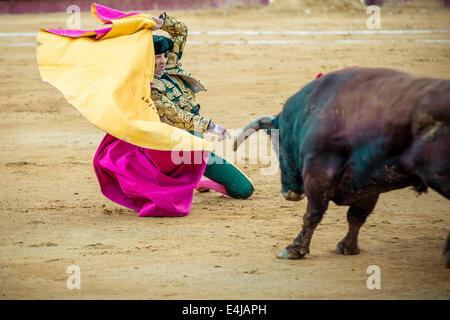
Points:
(173, 93)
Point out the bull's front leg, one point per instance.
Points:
(300, 246)
(318, 189)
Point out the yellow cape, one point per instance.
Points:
(108, 82)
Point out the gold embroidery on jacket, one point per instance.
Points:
(174, 107)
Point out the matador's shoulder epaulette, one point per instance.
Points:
(158, 85)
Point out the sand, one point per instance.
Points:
(53, 214)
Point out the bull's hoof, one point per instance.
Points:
(291, 254)
(292, 196)
(344, 249)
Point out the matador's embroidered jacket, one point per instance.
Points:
(174, 92)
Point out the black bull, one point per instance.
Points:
(355, 133)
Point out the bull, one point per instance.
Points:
(352, 134)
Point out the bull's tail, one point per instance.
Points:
(265, 122)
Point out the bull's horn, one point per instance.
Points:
(251, 128)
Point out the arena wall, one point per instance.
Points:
(40, 6)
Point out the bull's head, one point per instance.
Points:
(271, 124)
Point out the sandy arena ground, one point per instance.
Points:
(53, 214)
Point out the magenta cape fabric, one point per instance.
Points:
(146, 180)
(105, 14)
(138, 178)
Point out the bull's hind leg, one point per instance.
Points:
(430, 156)
(356, 216)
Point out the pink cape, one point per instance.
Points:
(105, 14)
(146, 180)
(138, 178)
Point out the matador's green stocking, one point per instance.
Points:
(236, 184)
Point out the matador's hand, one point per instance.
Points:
(159, 23)
(220, 131)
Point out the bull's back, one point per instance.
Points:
(357, 105)
(302, 120)
(370, 117)
(386, 103)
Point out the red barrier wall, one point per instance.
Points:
(37, 6)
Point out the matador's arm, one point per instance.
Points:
(177, 30)
(169, 113)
